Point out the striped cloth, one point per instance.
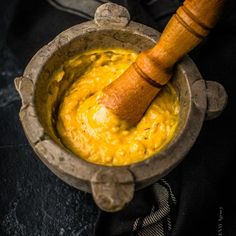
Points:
(158, 222)
(151, 213)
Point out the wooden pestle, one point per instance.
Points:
(130, 95)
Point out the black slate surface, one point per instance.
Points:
(33, 201)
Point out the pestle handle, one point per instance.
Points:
(130, 95)
(185, 30)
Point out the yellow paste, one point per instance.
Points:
(91, 131)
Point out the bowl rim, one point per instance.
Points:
(78, 172)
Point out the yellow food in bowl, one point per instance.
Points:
(95, 134)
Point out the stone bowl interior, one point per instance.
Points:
(94, 40)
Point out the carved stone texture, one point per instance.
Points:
(26, 87)
(112, 14)
(216, 99)
(112, 189)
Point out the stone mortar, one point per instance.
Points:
(112, 187)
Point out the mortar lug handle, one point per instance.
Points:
(112, 189)
(216, 99)
(111, 14)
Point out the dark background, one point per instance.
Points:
(35, 202)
